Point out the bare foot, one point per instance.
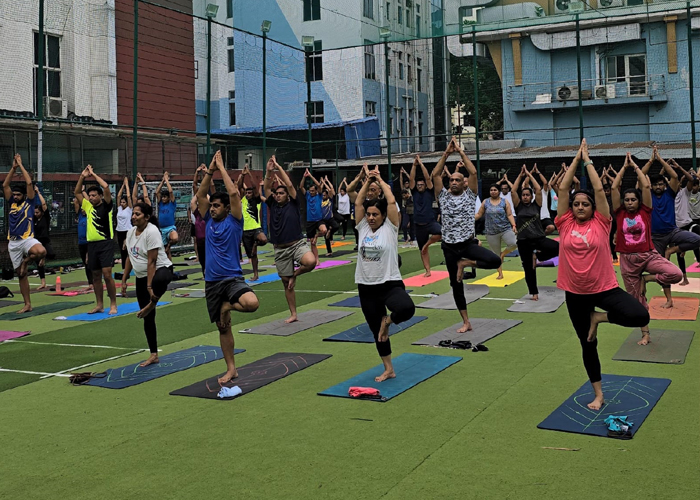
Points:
(44, 287)
(596, 319)
(145, 311)
(318, 262)
(329, 254)
(228, 376)
(383, 334)
(500, 276)
(643, 289)
(255, 277)
(596, 404)
(535, 297)
(97, 309)
(113, 309)
(467, 326)
(668, 304)
(291, 319)
(27, 308)
(427, 274)
(684, 282)
(292, 282)
(385, 375)
(90, 288)
(668, 254)
(152, 360)
(645, 338)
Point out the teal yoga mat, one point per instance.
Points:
(45, 309)
(122, 309)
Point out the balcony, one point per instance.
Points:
(629, 90)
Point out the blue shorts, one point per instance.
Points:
(165, 234)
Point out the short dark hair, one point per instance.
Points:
(282, 186)
(380, 203)
(532, 193)
(125, 198)
(222, 197)
(97, 189)
(147, 211)
(633, 191)
(656, 178)
(19, 188)
(497, 186)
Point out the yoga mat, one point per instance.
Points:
(362, 333)
(666, 346)
(332, 263)
(695, 268)
(173, 285)
(322, 243)
(5, 303)
(254, 375)
(551, 299)
(122, 309)
(308, 319)
(509, 277)
(245, 272)
(411, 369)
(693, 286)
(118, 276)
(482, 331)
(45, 309)
(352, 301)
(446, 301)
(177, 275)
(265, 278)
(684, 308)
(194, 294)
(339, 253)
(634, 397)
(514, 253)
(9, 335)
(553, 262)
(420, 280)
(75, 293)
(186, 263)
(119, 378)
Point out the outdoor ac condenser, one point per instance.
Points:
(605, 91)
(567, 93)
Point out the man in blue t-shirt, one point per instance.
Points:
(428, 230)
(315, 226)
(166, 214)
(666, 236)
(225, 288)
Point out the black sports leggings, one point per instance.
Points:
(202, 252)
(160, 282)
(546, 249)
(376, 299)
(83, 256)
(332, 226)
(470, 249)
(346, 218)
(622, 309)
(693, 227)
(121, 238)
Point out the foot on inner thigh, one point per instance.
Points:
(383, 334)
(597, 403)
(385, 375)
(467, 326)
(461, 265)
(152, 360)
(596, 319)
(292, 282)
(146, 310)
(228, 376)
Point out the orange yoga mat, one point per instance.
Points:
(421, 280)
(684, 308)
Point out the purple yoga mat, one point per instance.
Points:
(553, 262)
(8, 335)
(332, 263)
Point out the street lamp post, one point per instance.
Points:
(265, 28)
(308, 43)
(384, 34)
(212, 10)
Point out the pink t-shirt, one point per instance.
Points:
(585, 263)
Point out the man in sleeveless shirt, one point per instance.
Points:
(253, 235)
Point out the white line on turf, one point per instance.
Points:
(67, 345)
(63, 373)
(33, 373)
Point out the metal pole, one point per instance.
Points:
(476, 104)
(387, 106)
(208, 153)
(578, 74)
(40, 96)
(691, 86)
(308, 106)
(264, 97)
(134, 164)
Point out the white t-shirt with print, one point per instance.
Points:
(378, 254)
(124, 218)
(138, 247)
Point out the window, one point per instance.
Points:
(388, 11)
(417, 25)
(410, 74)
(312, 10)
(420, 128)
(419, 75)
(410, 128)
(403, 127)
(231, 58)
(232, 114)
(370, 108)
(408, 18)
(315, 110)
(399, 15)
(388, 67)
(314, 62)
(400, 71)
(631, 69)
(368, 8)
(196, 69)
(419, 61)
(52, 66)
(370, 62)
(229, 9)
(231, 94)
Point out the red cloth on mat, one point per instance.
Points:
(356, 392)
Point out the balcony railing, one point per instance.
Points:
(549, 95)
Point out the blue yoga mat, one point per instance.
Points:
(362, 333)
(118, 378)
(634, 397)
(411, 369)
(352, 301)
(265, 278)
(514, 253)
(122, 309)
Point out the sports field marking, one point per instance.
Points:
(63, 373)
(33, 373)
(68, 345)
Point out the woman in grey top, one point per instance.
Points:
(500, 224)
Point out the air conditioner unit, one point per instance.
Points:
(567, 93)
(605, 4)
(570, 6)
(55, 107)
(605, 91)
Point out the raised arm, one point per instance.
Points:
(41, 198)
(472, 181)
(302, 186)
(329, 186)
(313, 179)
(203, 191)
(644, 184)
(105, 187)
(362, 196)
(536, 187)
(673, 181)
(392, 211)
(600, 200)
(685, 173)
(233, 193)
(166, 179)
(121, 189)
(428, 180)
(565, 185)
(195, 178)
(146, 198)
(160, 184)
(516, 186)
(412, 176)
(352, 187)
(284, 177)
(440, 167)
(543, 179)
(78, 191)
(617, 182)
(6, 185)
(647, 165)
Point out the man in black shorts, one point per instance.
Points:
(98, 207)
(225, 287)
(315, 226)
(253, 235)
(423, 214)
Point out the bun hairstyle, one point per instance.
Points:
(380, 203)
(147, 211)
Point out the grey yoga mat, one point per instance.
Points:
(482, 330)
(446, 301)
(308, 319)
(666, 346)
(550, 299)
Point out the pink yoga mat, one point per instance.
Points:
(421, 280)
(7, 335)
(695, 268)
(332, 263)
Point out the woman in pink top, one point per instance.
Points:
(586, 272)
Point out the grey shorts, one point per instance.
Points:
(684, 240)
(217, 292)
(19, 249)
(496, 241)
(286, 257)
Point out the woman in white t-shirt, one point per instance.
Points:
(377, 274)
(344, 206)
(123, 218)
(153, 270)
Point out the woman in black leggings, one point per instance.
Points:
(586, 271)
(533, 244)
(153, 270)
(377, 273)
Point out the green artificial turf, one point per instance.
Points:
(468, 432)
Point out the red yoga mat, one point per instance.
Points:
(684, 308)
(421, 280)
